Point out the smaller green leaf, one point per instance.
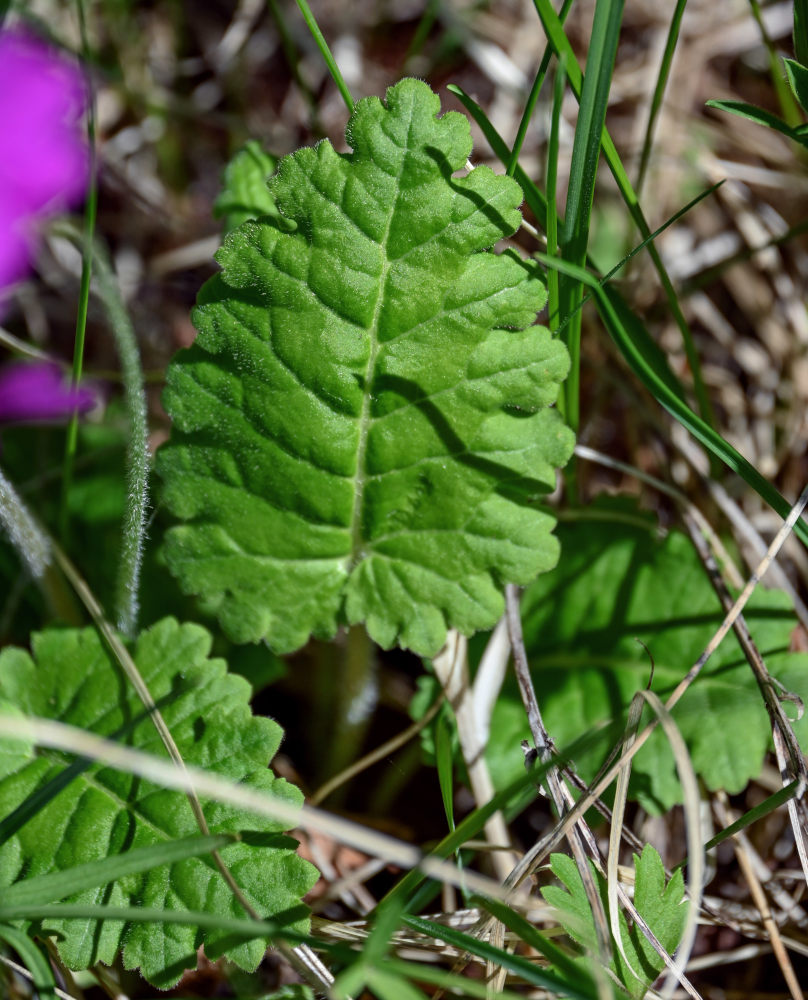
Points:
(245, 194)
(798, 81)
(574, 912)
(660, 905)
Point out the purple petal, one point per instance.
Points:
(44, 162)
(37, 392)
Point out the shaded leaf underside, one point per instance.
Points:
(618, 582)
(362, 427)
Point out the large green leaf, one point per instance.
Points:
(87, 812)
(363, 425)
(618, 580)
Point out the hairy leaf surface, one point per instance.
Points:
(363, 426)
(90, 812)
(619, 581)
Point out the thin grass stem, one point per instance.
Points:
(325, 52)
(428, 18)
(560, 44)
(574, 235)
(788, 106)
(290, 54)
(535, 90)
(659, 90)
(559, 86)
(90, 212)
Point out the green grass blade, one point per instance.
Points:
(760, 117)
(522, 967)
(634, 343)
(784, 97)
(535, 90)
(90, 213)
(798, 81)
(661, 229)
(659, 90)
(428, 18)
(57, 885)
(574, 235)
(325, 52)
(594, 95)
(520, 793)
(445, 765)
(390, 986)
(767, 806)
(559, 86)
(467, 829)
(237, 928)
(33, 960)
(801, 31)
(457, 985)
(39, 798)
(386, 920)
(560, 43)
(530, 936)
(292, 57)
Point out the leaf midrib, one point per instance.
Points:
(360, 478)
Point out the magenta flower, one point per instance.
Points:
(35, 392)
(44, 162)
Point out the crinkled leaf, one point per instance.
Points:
(245, 194)
(363, 426)
(618, 580)
(661, 905)
(100, 812)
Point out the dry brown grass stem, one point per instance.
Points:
(789, 754)
(742, 853)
